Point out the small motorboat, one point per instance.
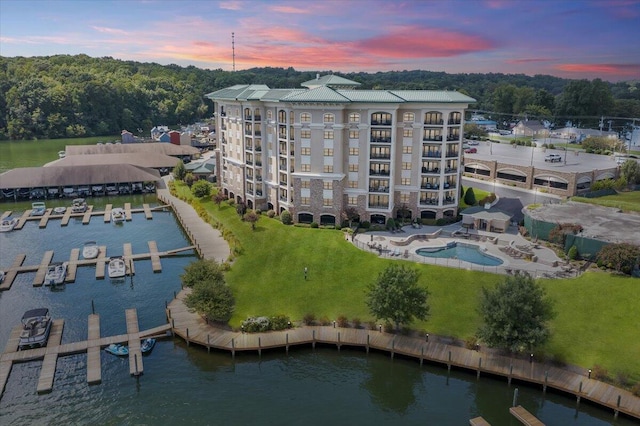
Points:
(84, 191)
(8, 223)
(149, 187)
(117, 349)
(111, 189)
(56, 273)
(37, 193)
(90, 250)
(136, 187)
(97, 190)
(117, 215)
(124, 188)
(36, 326)
(1, 276)
(59, 210)
(38, 209)
(147, 345)
(117, 268)
(53, 192)
(62, 154)
(69, 192)
(79, 205)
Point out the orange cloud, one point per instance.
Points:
(416, 42)
(623, 70)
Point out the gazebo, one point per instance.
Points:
(485, 218)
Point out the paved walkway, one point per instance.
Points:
(208, 240)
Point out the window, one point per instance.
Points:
(407, 149)
(354, 151)
(305, 151)
(380, 152)
(407, 133)
(354, 134)
(328, 184)
(455, 118)
(328, 134)
(329, 118)
(305, 184)
(327, 202)
(381, 119)
(406, 166)
(433, 117)
(305, 167)
(305, 117)
(404, 198)
(352, 201)
(328, 168)
(408, 116)
(282, 116)
(353, 167)
(305, 134)
(269, 115)
(432, 135)
(304, 201)
(405, 181)
(328, 152)
(380, 135)
(378, 200)
(353, 184)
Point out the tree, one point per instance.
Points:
(350, 214)
(241, 208)
(213, 300)
(189, 179)
(631, 172)
(201, 270)
(252, 217)
(396, 297)
(219, 198)
(515, 314)
(210, 296)
(391, 224)
(622, 257)
(201, 188)
(470, 197)
(179, 171)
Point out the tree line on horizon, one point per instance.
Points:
(74, 96)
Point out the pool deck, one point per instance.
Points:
(516, 252)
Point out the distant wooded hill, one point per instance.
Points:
(69, 96)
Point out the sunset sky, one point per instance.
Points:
(572, 39)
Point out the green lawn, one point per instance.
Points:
(626, 201)
(594, 324)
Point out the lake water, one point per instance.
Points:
(186, 385)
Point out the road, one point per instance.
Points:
(511, 199)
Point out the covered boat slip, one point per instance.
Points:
(56, 177)
(91, 346)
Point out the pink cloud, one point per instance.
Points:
(416, 42)
(527, 60)
(230, 5)
(622, 70)
(115, 31)
(290, 10)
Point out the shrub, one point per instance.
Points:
(552, 146)
(201, 188)
(573, 253)
(391, 224)
(365, 224)
(285, 217)
(471, 342)
(309, 319)
(271, 214)
(371, 325)
(280, 322)
(256, 324)
(314, 224)
(342, 321)
(356, 323)
(635, 389)
(325, 320)
(258, 212)
(470, 197)
(600, 373)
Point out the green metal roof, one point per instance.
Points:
(320, 94)
(370, 96)
(330, 80)
(240, 92)
(432, 96)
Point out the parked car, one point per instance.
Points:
(553, 158)
(473, 143)
(470, 150)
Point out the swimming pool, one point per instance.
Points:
(463, 252)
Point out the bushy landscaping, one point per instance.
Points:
(593, 325)
(625, 201)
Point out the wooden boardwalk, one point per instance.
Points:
(92, 346)
(207, 240)
(100, 262)
(193, 329)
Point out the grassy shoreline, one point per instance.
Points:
(592, 326)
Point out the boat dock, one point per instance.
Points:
(86, 216)
(100, 263)
(525, 417)
(92, 346)
(193, 329)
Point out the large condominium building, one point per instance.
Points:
(329, 148)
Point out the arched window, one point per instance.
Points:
(282, 116)
(305, 117)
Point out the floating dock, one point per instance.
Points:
(525, 417)
(92, 346)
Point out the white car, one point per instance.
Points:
(553, 158)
